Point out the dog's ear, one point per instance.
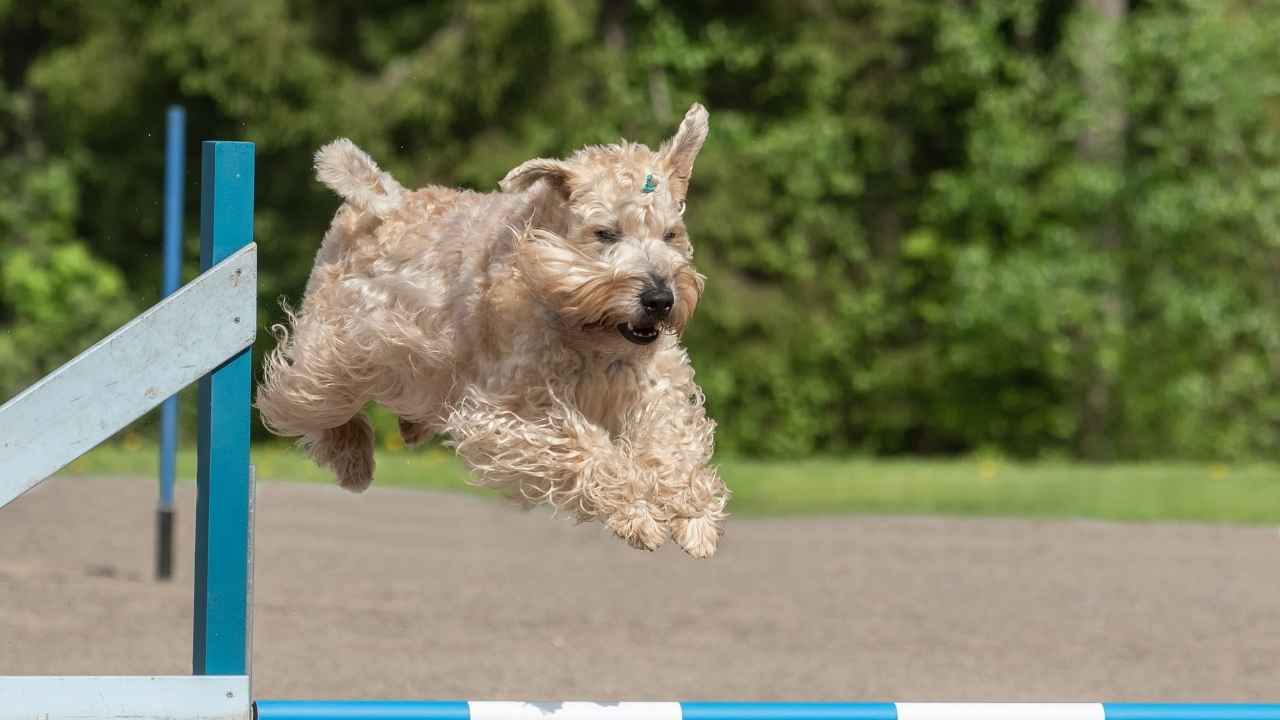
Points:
(557, 172)
(678, 153)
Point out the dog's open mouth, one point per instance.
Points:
(638, 334)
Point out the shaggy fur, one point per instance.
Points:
(537, 327)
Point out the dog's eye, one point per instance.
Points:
(670, 236)
(606, 236)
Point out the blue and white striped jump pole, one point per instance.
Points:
(175, 131)
(459, 710)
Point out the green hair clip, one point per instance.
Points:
(649, 184)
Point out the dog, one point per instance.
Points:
(537, 328)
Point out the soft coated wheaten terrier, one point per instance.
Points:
(537, 327)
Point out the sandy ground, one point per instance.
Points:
(406, 594)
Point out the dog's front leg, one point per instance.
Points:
(554, 454)
(673, 437)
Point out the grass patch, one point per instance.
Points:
(429, 468)
(1248, 494)
(1141, 491)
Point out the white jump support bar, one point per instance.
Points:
(191, 697)
(129, 372)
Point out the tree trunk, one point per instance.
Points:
(1102, 143)
(613, 23)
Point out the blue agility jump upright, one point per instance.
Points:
(175, 132)
(203, 332)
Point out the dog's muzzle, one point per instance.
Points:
(656, 302)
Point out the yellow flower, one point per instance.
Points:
(988, 469)
(1218, 472)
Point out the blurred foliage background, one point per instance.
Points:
(1042, 228)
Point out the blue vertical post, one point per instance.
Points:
(175, 131)
(220, 641)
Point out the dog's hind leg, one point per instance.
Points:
(310, 391)
(414, 433)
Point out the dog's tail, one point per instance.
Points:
(351, 173)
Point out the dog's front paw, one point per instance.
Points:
(697, 535)
(636, 525)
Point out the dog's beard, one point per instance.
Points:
(591, 295)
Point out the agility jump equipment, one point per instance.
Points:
(203, 332)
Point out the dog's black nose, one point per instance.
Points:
(657, 301)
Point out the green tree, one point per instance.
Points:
(928, 227)
(56, 295)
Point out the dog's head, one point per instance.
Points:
(608, 252)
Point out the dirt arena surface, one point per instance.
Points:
(402, 594)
